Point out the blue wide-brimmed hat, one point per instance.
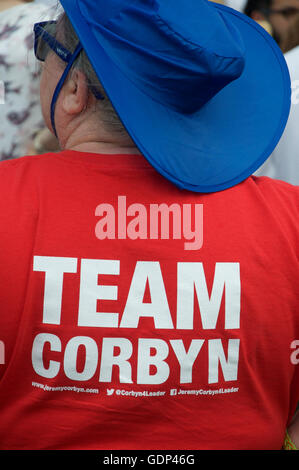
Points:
(202, 89)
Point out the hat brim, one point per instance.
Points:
(224, 142)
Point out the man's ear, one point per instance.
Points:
(75, 93)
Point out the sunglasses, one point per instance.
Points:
(45, 41)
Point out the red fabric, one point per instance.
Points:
(211, 376)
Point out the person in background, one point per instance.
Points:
(275, 16)
(292, 39)
(20, 115)
(284, 161)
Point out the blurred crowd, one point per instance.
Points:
(22, 130)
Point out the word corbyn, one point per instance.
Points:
(151, 352)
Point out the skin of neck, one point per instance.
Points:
(88, 134)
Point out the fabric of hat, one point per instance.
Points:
(203, 91)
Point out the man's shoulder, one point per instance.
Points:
(21, 162)
(277, 193)
(26, 169)
(265, 183)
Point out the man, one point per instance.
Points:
(276, 15)
(187, 344)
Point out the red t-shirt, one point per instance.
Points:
(135, 315)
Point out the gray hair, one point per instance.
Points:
(109, 116)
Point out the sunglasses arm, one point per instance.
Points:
(61, 83)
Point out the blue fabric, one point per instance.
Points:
(188, 73)
(203, 90)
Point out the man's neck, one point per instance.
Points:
(89, 135)
(104, 148)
